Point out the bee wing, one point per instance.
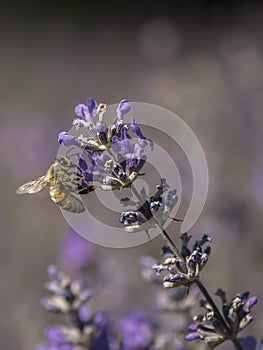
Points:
(33, 186)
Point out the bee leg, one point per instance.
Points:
(85, 190)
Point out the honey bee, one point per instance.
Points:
(63, 178)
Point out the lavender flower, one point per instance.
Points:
(75, 252)
(250, 343)
(137, 331)
(185, 268)
(86, 330)
(215, 329)
(111, 158)
(89, 330)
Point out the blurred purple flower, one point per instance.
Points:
(75, 252)
(248, 343)
(137, 331)
(56, 335)
(103, 337)
(55, 347)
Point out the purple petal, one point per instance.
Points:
(123, 146)
(81, 110)
(136, 129)
(100, 318)
(193, 327)
(42, 347)
(67, 139)
(101, 126)
(123, 108)
(85, 295)
(124, 133)
(192, 336)
(251, 302)
(92, 107)
(83, 164)
(65, 347)
(52, 272)
(75, 251)
(136, 330)
(138, 150)
(84, 313)
(244, 296)
(56, 335)
(248, 343)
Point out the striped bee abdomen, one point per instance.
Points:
(63, 198)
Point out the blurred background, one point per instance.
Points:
(203, 60)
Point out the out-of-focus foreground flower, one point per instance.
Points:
(93, 330)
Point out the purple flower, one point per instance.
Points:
(83, 164)
(142, 139)
(67, 139)
(192, 336)
(56, 335)
(248, 343)
(251, 302)
(103, 337)
(75, 251)
(87, 111)
(123, 146)
(52, 272)
(99, 140)
(56, 347)
(123, 108)
(92, 106)
(84, 313)
(137, 331)
(81, 110)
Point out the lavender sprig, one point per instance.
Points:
(183, 267)
(86, 329)
(112, 160)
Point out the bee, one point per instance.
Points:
(63, 178)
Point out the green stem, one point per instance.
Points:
(170, 243)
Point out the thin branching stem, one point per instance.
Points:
(165, 235)
(200, 285)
